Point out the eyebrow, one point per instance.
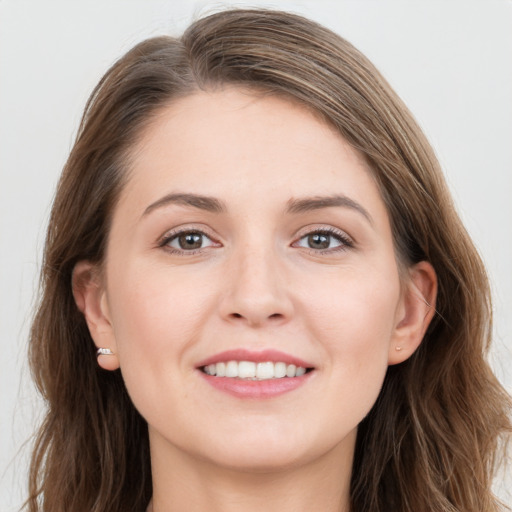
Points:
(210, 204)
(318, 202)
(303, 205)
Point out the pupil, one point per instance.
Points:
(190, 241)
(318, 241)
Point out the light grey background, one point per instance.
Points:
(451, 61)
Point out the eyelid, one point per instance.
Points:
(347, 241)
(164, 239)
(324, 228)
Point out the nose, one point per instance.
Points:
(255, 292)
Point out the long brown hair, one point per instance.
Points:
(431, 441)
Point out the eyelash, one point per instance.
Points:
(345, 242)
(173, 235)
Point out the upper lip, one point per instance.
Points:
(262, 356)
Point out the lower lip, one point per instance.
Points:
(256, 389)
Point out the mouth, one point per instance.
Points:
(251, 370)
(248, 374)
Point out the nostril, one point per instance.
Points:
(272, 316)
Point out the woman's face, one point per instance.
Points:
(250, 237)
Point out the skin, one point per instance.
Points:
(255, 283)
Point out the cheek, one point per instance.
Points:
(154, 314)
(353, 323)
(354, 309)
(156, 317)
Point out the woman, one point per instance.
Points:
(257, 293)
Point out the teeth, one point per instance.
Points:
(300, 371)
(254, 371)
(220, 369)
(290, 370)
(231, 369)
(279, 370)
(246, 370)
(265, 371)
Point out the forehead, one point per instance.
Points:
(235, 142)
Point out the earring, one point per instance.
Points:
(104, 352)
(398, 348)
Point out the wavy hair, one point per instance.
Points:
(433, 438)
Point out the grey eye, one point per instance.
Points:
(189, 240)
(320, 241)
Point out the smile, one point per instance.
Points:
(247, 374)
(254, 371)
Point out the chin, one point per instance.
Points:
(266, 452)
(259, 460)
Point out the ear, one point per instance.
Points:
(415, 312)
(91, 299)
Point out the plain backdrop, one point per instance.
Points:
(450, 60)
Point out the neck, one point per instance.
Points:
(181, 482)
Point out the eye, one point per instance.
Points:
(187, 241)
(324, 240)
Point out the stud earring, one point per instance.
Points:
(104, 352)
(398, 348)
